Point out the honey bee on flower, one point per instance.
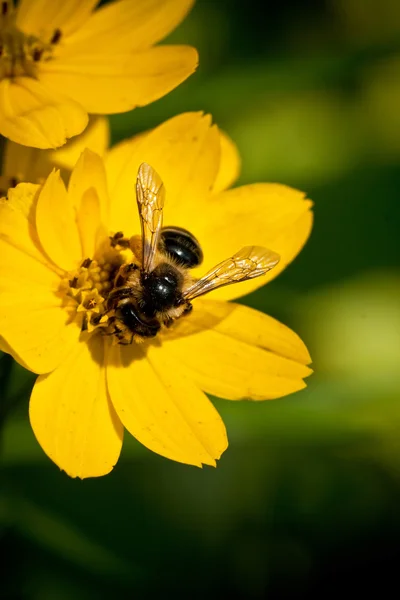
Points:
(157, 289)
(71, 256)
(61, 60)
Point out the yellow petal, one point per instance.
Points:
(32, 115)
(36, 327)
(6, 348)
(159, 404)
(229, 166)
(21, 249)
(241, 323)
(43, 17)
(30, 164)
(31, 318)
(56, 225)
(227, 358)
(89, 174)
(106, 83)
(270, 215)
(96, 137)
(72, 417)
(129, 24)
(89, 222)
(24, 163)
(184, 150)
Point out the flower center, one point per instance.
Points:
(20, 53)
(85, 291)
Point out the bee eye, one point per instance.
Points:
(182, 246)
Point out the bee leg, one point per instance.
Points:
(116, 329)
(95, 320)
(117, 294)
(123, 273)
(167, 321)
(108, 333)
(121, 335)
(123, 341)
(188, 309)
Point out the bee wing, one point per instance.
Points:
(249, 262)
(150, 196)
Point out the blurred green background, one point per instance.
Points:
(305, 501)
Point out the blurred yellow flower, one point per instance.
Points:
(60, 61)
(56, 273)
(24, 163)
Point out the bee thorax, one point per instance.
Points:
(161, 289)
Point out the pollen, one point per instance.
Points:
(20, 54)
(85, 290)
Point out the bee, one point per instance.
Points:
(159, 289)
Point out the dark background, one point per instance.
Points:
(305, 502)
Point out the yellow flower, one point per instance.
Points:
(57, 270)
(60, 61)
(24, 163)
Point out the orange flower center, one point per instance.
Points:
(20, 53)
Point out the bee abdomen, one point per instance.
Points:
(182, 246)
